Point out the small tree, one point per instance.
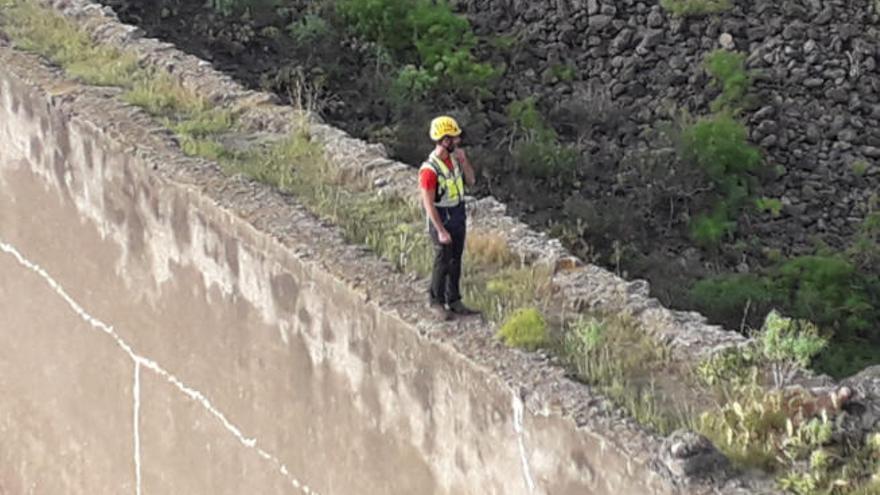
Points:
(788, 345)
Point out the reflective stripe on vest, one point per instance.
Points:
(450, 184)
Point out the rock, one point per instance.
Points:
(686, 454)
(655, 19)
(592, 7)
(871, 151)
(599, 22)
(726, 41)
(809, 46)
(677, 62)
(650, 39)
(839, 95)
(846, 135)
(622, 41)
(769, 141)
(864, 406)
(814, 82)
(764, 112)
(767, 127)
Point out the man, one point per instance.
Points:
(441, 180)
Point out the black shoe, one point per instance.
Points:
(439, 312)
(460, 309)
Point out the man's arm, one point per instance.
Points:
(434, 216)
(469, 177)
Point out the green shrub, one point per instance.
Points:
(731, 367)
(413, 83)
(426, 34)
(525, 328)
(830, 292)
(728, 68)
(788, 344)
(545, 159)
(229, 7)
(385, 22)
(309, 29)
(708, 230)
(536, 150)
(695, 7)
(719, 145)
(771, 205)
(726, 297)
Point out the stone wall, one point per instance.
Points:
(170, 329)
(816, 89)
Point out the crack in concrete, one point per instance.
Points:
(153, 366)
(518, 411)
(136, 393)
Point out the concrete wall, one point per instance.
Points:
(167, 329)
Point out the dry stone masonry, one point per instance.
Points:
(816, 88)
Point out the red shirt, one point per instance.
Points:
(428, 177)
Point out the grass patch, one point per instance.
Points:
(612, 354)
(488, 248)
(693, 8)
(38, 30)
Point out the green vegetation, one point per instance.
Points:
(612, 354)
(535, 146)
(686, 8)
(859, 167)
(309, 29)
(718, 146)
(827, 290)
(785, 431)
(728, 69)
(770, 205)
(56, 39)
(564, 72)
(229, 7)
(525, 328)
(434, 45)
(788, 345)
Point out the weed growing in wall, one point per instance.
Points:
(728, 69)
(525, 328)
(612, 354)
(693, 8)
(718, 145)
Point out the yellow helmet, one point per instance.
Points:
(444, 126)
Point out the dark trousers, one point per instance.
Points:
(446, 275)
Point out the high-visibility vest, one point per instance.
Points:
(450, 183)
